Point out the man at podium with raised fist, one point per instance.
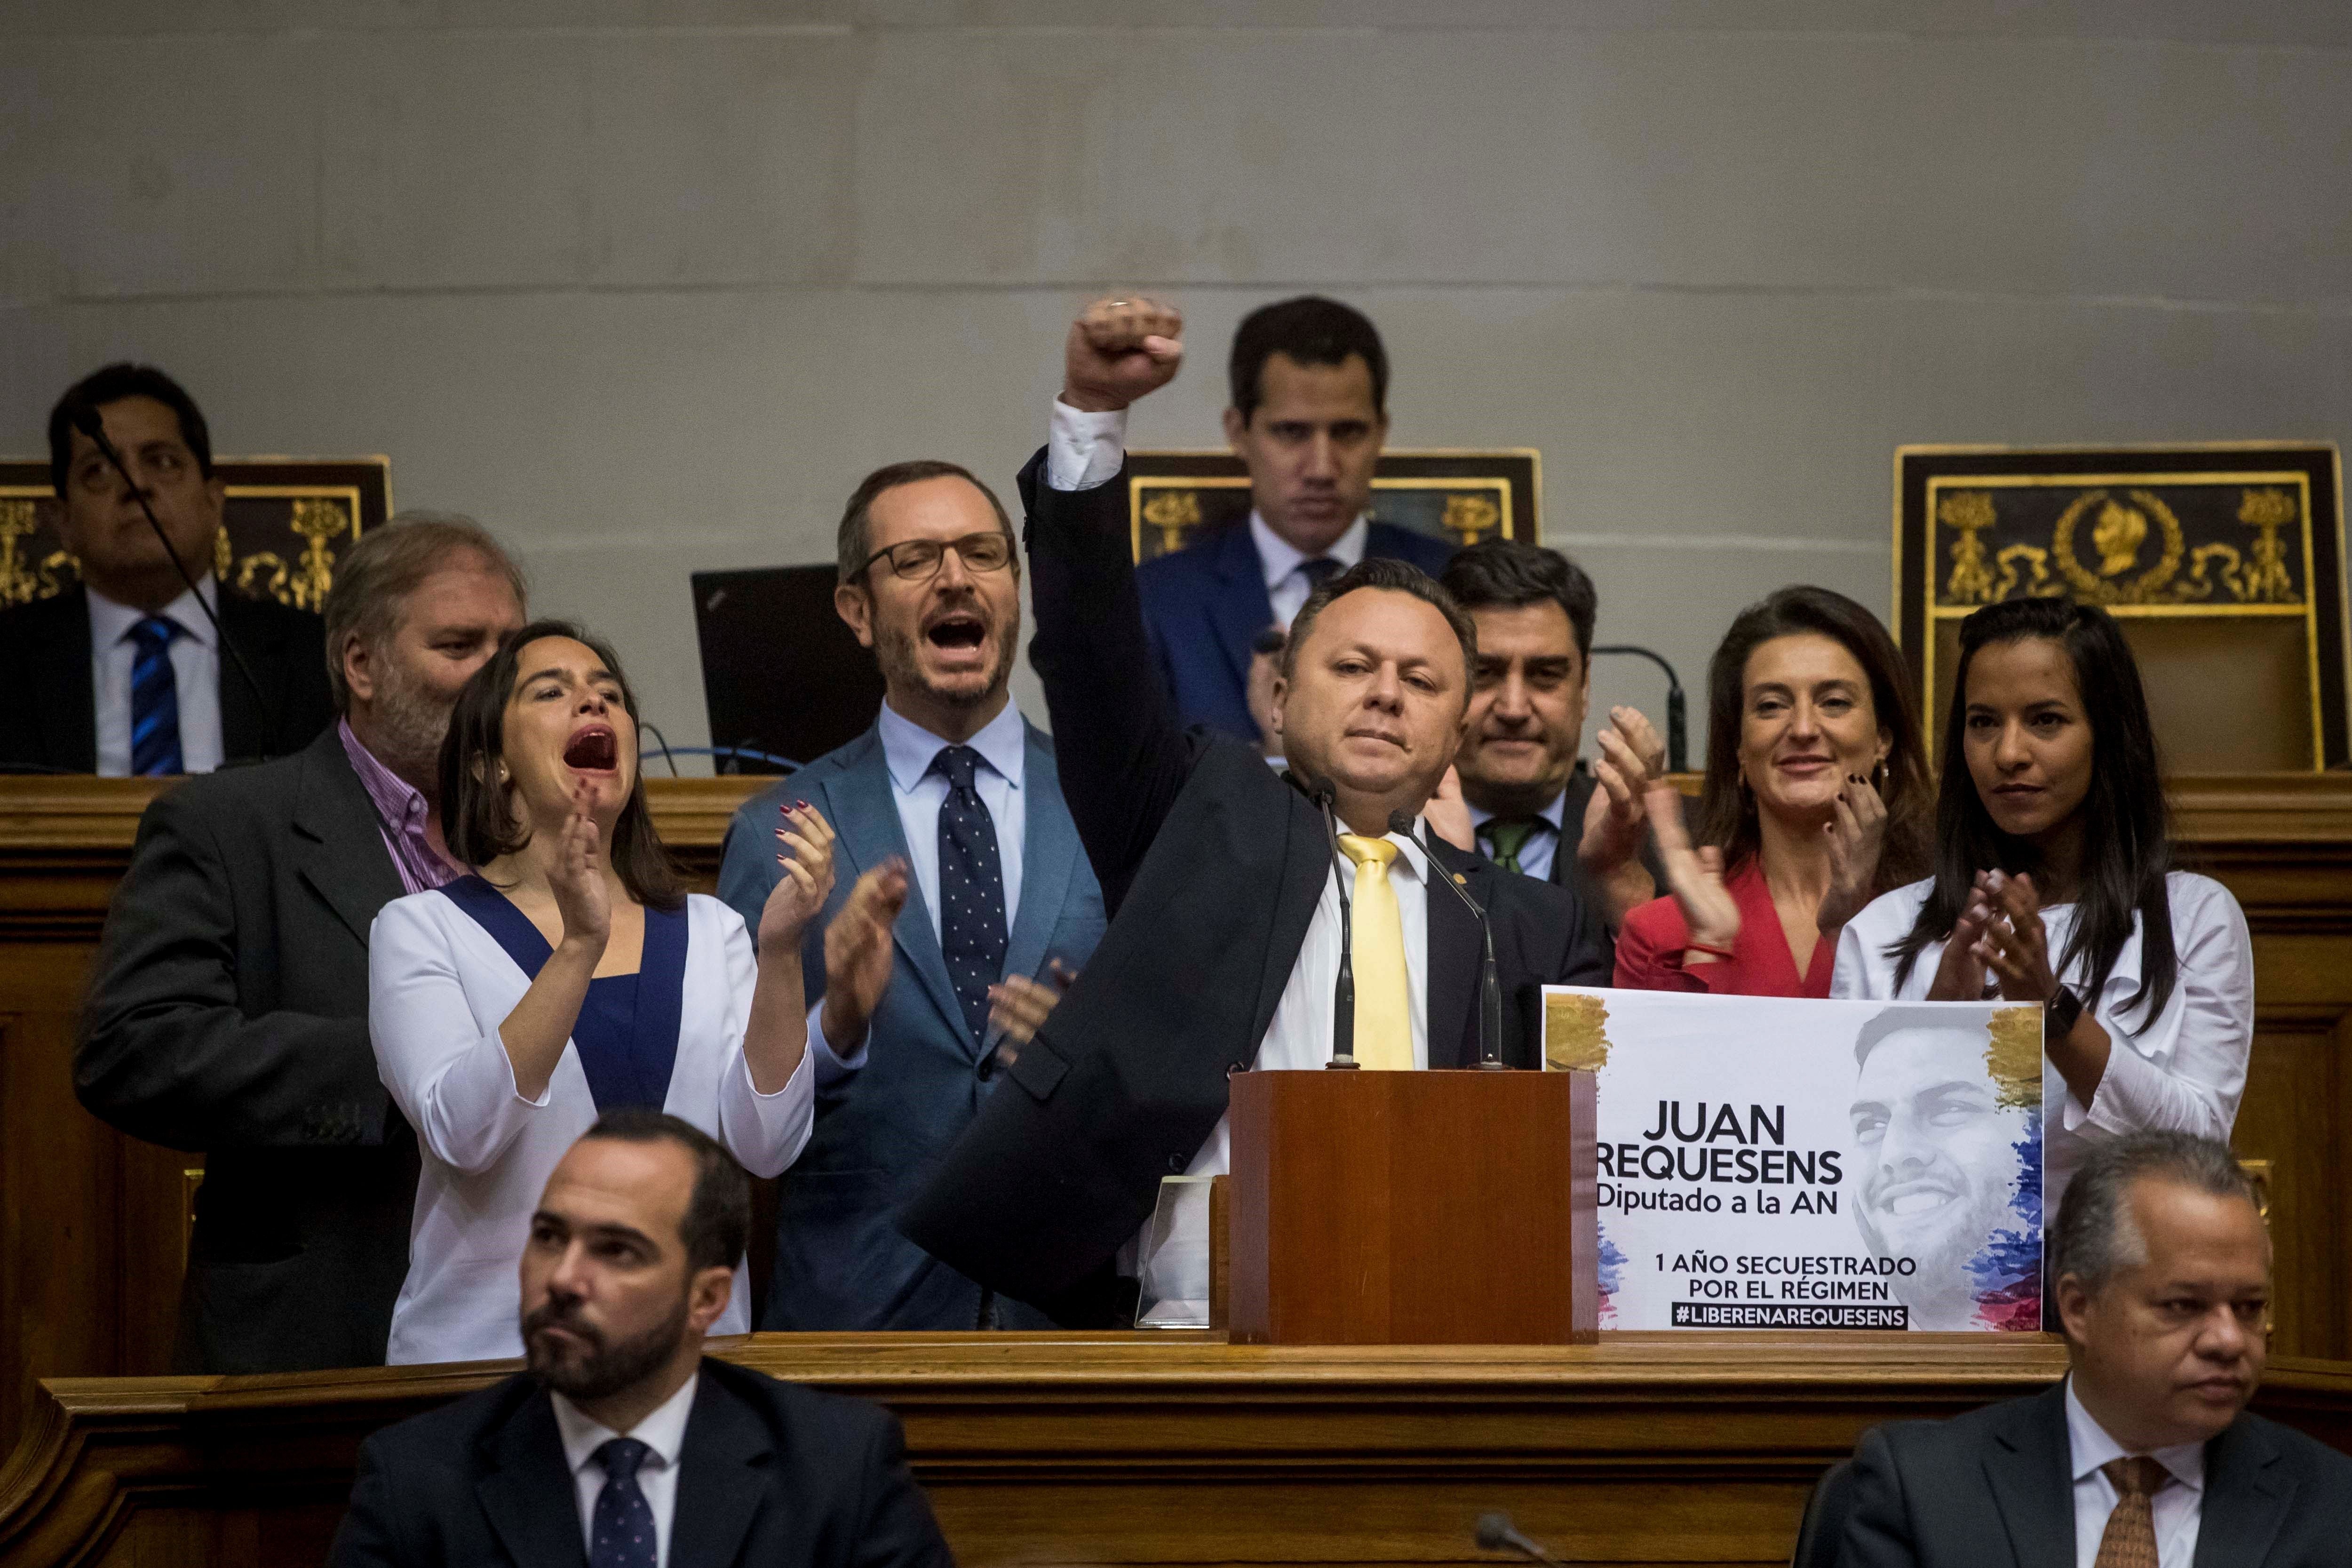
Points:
(1233, 891)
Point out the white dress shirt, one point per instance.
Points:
(439, 987)
(195, 676)
(2184, 1069)
(663, 1433)
(1300, 1034)
(1082, 451)
(907, 750)
(2177, 1510)
(1535, 856)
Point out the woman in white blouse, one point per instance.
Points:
(2052, 885)
(569, 975)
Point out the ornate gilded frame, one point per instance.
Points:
(2144, 532)
(282, 523)
(1458, 494)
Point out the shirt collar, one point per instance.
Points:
(1278, 559)
(1555, 814)
(400, 801)
(110, 622)
(2092, 1447)
(664, 1431)
(908, 748)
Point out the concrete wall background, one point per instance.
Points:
(647, 287)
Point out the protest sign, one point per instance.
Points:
(1779, 1163)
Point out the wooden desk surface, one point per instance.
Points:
(1053, 1448)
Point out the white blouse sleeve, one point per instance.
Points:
(2188, 1077)
(765, 1132)
(451, 1079)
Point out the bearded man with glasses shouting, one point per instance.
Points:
(963, 901)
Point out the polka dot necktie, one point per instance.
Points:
(972, 888)
(2130, 1537)
(154, 700)
(623, 1536)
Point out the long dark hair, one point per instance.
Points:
(475, 817)
(2126, 828)
(1726, 813)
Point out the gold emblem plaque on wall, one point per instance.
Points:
(1461, 496)
(287, 521)
(2224, 562)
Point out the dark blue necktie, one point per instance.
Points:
(623, 1536)
(972, 888)
(1318, 571)
(154, 700)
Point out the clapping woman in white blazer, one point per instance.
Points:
(570, 975)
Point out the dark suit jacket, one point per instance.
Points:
(1205, 605)
(768, 1474)
(840, 1261)
(227, 1012)
(1994, 1488)
(48, 720)
(1211, 867)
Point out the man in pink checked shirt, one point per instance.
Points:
(227, 1011)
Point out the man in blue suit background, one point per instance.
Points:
(1308, 418)
(960, 875)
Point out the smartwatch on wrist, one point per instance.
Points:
(2059, 1014)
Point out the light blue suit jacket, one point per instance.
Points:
(840, 1261)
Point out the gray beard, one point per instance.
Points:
(903, 669)
(408, 724)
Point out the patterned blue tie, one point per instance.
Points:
(623, 1533)
(972, 888)
(154, 700)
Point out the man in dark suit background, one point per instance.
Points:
(1223, 883)
(1531, 803)
(122, 674)
(620, 1445)
(2144, 1456)
(995, 891)
(227, 1009)
(1308, 418)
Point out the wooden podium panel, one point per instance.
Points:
(1403, 1208)
(1138, 1448)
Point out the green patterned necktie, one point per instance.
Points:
(1506, 836)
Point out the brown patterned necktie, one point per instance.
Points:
(2130, 1537)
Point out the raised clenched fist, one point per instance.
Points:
(1119, 350)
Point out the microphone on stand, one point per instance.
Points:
(1497, 1534)
(1490, 989)
(1343, 995)
(85, 419)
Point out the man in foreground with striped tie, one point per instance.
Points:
(620, 1445)
(2144, 1456)
(1228, 895)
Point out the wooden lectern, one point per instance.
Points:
(1413, 1208)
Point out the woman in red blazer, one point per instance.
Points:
(1817, 800)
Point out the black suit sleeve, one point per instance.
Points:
(1878, 1531)
(368, 1535)
(896, 1529)
(1121, 757)
(1591, 956)
(167, 1055)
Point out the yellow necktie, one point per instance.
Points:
(1383, 1015)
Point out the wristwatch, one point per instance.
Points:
(2059, 1013)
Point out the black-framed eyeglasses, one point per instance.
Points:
(917, 560)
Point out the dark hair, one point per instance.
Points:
(2095, 1234)
(374, 578)
(474, 811)
(1397, 577)
(1727, 813)
(717, 1220)
(112, 384)
(2127, 830)
(1506, 573)
(1309, 329)
(852, 544)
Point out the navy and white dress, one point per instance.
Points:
(444, 969)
